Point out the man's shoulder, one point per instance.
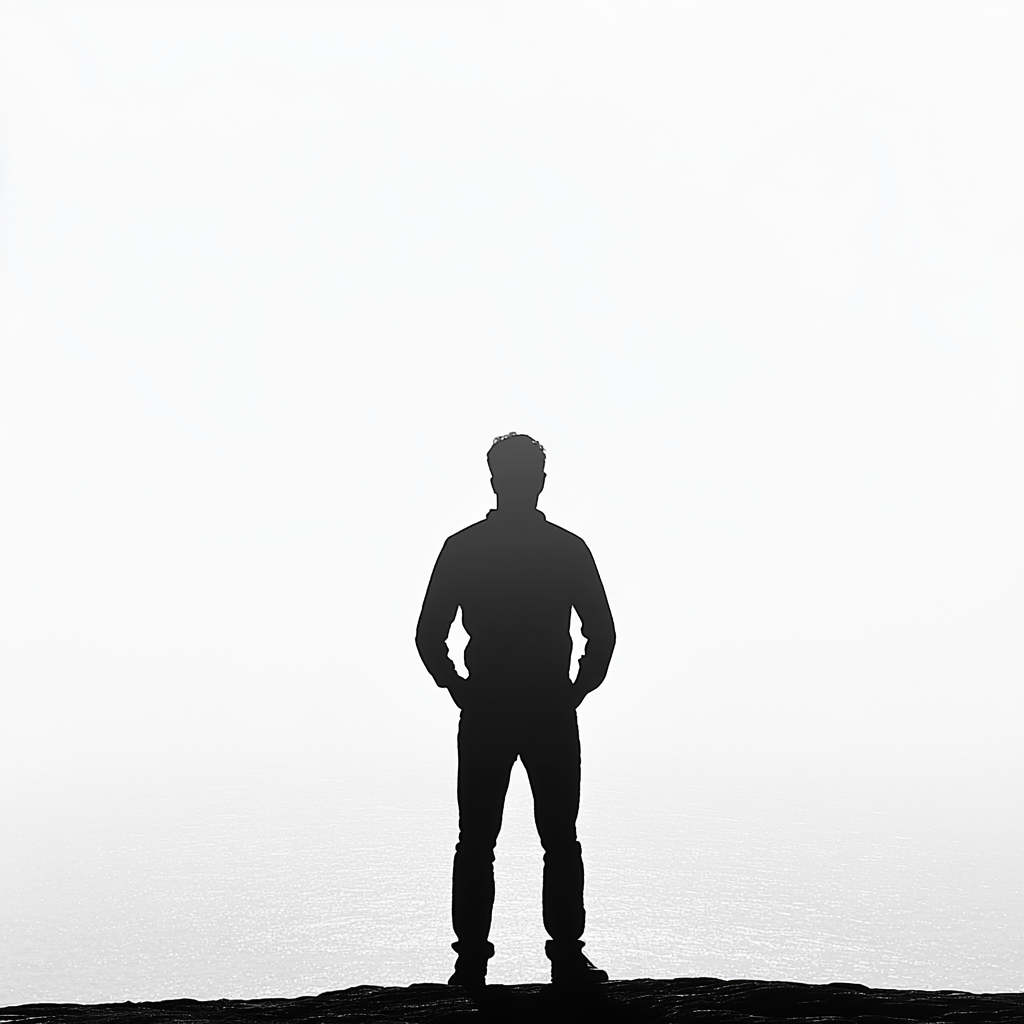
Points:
(560, 535)
(467, 535)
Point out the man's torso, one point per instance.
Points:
(515, 581)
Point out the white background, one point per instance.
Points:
(273, 276)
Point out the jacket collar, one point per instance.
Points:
(533, 515)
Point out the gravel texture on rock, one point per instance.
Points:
(643, 1001)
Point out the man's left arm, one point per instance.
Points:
(591, 605)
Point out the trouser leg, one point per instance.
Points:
(485, 763)
(552, 760)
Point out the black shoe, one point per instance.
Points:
(470, 977)
(471, 964)
(570, 967)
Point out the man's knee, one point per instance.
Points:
(476, 847)
(561, 847)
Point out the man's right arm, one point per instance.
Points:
(439, 607)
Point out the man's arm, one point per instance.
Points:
(439, 607)
(591, 605)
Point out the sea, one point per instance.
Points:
(292, 873)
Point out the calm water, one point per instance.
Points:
(210, 881)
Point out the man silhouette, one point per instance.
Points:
(516, 578)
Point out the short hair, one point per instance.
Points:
(515, 453)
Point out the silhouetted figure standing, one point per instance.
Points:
(517, 577)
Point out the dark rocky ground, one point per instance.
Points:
(618, 1002)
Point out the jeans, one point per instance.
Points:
(489, 743)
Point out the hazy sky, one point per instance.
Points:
(274, 275)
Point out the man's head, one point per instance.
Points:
(517, 469)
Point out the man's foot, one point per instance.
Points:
(570, 967)
(470, 977)
(471, 965)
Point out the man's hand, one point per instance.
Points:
(577, 694)
(458, 690)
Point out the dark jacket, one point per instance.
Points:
(516, 578)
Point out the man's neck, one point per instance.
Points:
(513, 506)
(517, 508)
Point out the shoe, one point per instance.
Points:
(571, 967)
(473, 978)
(471, 965)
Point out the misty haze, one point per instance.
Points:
(272, 277)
